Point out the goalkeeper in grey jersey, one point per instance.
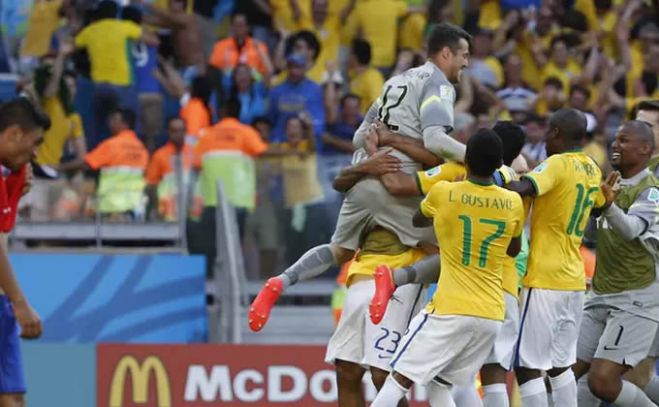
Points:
(419, 104)
(620, 318)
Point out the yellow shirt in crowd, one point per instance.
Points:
(571, 70)
(368, 86)
(62, 128)
(378, 21)
(567, 187)
(474, 225)
(43, 22)
(108, 43)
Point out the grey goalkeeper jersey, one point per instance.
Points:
(410, 102)
(640, 301)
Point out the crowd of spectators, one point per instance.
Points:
(266, 95)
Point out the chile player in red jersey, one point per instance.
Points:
(21, 131)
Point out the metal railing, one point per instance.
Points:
(228, 271)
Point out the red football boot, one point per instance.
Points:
(259, 311)
(384, 290)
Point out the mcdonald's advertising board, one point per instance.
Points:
(227, 375)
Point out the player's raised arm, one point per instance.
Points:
(448, 49)
(378, 164)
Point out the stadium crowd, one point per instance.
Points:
(266, 96)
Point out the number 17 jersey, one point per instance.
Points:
(567, 188)
(474, 225)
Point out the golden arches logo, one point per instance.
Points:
(140, 376)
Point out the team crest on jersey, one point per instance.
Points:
(446, 92)
(653, 196)
(433, 171)
(540, 167)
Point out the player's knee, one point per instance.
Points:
(348, 372)
(603, 385)
(378, 377)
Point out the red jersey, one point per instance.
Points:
(11, 190)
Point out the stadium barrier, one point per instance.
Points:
(119, 298)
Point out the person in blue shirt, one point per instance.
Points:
(295, 95)
(252, 94)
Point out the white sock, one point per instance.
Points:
(439, 395)
(632, 396)
(564, 389)
(390, 394)
(496, 395)
(466, 396)
(585, 397)
(652, 389)
(534, 393)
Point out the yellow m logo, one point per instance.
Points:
(140, 376)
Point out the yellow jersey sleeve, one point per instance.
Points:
(546, 175)
(450, 172)
(431, 202)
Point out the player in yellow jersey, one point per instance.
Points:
(499, 362)
(565, 187)
(477, 224)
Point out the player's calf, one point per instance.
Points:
(349, 382)
(312, 263)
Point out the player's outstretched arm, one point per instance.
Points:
(400, 184)
(378, 164)
(524, 187)
(442, 145)
(414, 148)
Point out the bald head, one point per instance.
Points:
(640, 129)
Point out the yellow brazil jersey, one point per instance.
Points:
(382, 246)
(567, 187)
(110, 55)
(474, 225)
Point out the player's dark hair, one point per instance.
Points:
(446, 35)
(513, 138)
(231, 108)
(650, 105)
(131, 13)
(20, 111)
(106, 9)
(642, 129)
(306, 36)
(127, 116)
(484, 153)
(362, 51)
(571, 125)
